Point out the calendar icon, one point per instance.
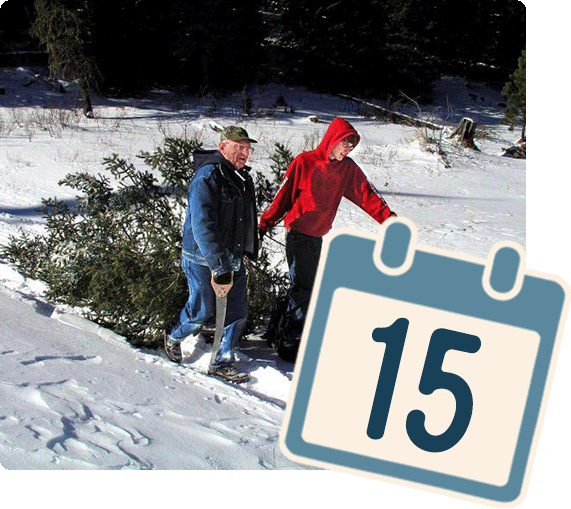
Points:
(424, 367)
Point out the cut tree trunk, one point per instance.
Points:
(465, 132)
(85, 99)
(522, 139)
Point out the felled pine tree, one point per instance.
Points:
(116, 252)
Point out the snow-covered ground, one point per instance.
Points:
(75, 396)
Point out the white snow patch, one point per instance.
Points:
(78, 397)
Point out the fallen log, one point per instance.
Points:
(394, 116)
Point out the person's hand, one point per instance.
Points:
(222, 283)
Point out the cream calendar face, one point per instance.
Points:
(484, 399)
(423, 367)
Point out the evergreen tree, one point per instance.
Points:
(387, 46)
(116, 252)
(477, 39)
(15, 21)
(215, 43)
(514, 90)
(126, 46)
(64, 28)
(361, 47)
(127, 43)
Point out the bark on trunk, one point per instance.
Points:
(85, 99)
(465, 132)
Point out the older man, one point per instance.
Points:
(219, 230)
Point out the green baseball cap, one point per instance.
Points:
(235, 133)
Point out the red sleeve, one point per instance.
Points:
(282, 202)
(363, 194)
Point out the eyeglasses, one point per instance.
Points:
(245, 148)
(347, 145)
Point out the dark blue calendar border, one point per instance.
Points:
(444, 283)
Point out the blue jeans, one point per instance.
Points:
(200, 310)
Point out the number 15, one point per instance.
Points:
(432, 378)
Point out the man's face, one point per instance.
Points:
(341, 150)
(237, 152)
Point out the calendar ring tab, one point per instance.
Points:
(504, 272)
(395, 246)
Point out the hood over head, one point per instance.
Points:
(337, 131)
(202, 157)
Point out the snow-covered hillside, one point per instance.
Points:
(75, 396)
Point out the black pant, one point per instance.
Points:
(302, 252)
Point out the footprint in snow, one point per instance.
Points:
(93, 359)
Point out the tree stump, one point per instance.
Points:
(466, 131)
(85, 99)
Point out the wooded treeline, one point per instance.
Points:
(370, 48)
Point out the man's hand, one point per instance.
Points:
(222, 283)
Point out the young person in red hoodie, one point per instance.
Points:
(308, 201)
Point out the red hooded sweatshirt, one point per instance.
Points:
(314, 185)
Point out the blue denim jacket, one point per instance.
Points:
(221, 218)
